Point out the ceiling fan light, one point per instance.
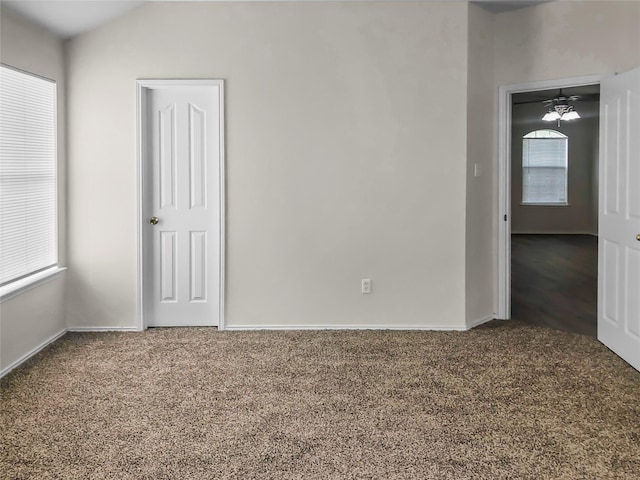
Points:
(570, 115)
(551, 116)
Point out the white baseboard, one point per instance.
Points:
(55, 337)
(480, 321)
(344, 327)
(58, 335)
(30, 354)
(103, 329)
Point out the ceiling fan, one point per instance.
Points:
(543, 97)
(561, 106)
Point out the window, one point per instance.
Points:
(544, 168)
(28, 218)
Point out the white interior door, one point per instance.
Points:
(619, 223)
(182, 203)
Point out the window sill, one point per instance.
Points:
(545, 204)
(24, 284)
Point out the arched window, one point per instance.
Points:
(544, 168)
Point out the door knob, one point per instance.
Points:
(154, 220)
(638, 237)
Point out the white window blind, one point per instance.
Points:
(544, 168)
(28, 223)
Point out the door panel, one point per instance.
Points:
(198, 285)
(167, 270)
(610, 281)
(166, 186)
(182, 188)
(633, 297)
(619, 222)
(197, 158)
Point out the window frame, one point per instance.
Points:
(559, 135)
(18, 285)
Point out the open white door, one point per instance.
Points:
(619, 212)
(181, 202)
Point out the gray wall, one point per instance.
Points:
(481, 135)
(347, 126)
(580, 215)
(29, 320)
(346, 158)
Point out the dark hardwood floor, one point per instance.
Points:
(554, 281)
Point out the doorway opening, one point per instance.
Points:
(508, 95)
(554, 208)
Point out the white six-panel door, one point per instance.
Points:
(181, 203)
(619, 216)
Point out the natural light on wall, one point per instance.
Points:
(28, 223)
(544, 168)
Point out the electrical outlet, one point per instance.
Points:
(366, 285)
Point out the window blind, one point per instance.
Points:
(544, 170)
(28, 223)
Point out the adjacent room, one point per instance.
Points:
(554, 208)
(317, 239)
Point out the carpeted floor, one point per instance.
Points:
(505, 400)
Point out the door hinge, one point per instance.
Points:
(505, 217)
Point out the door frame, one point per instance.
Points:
(142, 86)
(505, 92)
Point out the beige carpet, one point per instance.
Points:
(502, 401)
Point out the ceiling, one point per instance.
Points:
(499, 6)
(588, 92)
(69, 18)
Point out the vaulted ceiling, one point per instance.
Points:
(69, 18)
